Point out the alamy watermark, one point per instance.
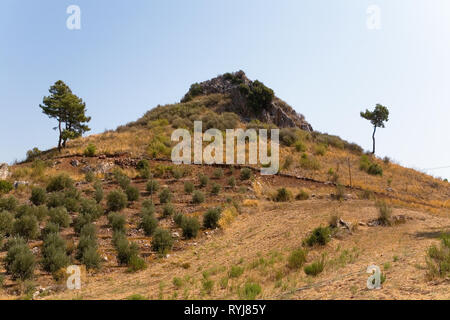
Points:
(373, 21)
(74, 279)
(235, 150)
(73, 22)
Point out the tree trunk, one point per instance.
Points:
(60, 136)
(373, 138)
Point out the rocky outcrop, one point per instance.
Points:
(278, 112)
(4, 171)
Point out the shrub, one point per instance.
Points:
(50, 228)
(20, 261)
(5, 186)
(60, 216)
(188, 187)
(309, 163)
(203, 180)
(283, 195)
(215, 189)
(288, 136)
(177, 173)
(98, 192)
(198, 197)
(384, 213)
(365, 164)
(91, 258)
(59, 183)
(148, 207)
(315, 268)
(302, 195)
(8, 203)
(438, 258)
(232, 182)
(259, 97)
(54, 255)
(320, 150)
(91, 208)
(27, 227)
(375, 170)
(319, 236)
(152, 186)
(168, 210)
(132, 193)
(235, 272)
(136, 263)
(297, 259)
(82, 220)
(218, 173)
(165, 196)
(33, 154)
(6, 223)
(246, 174)
(149, 223)
(122, 180)
(162, 241)
(116, 200)
(340, 192)
(90, 150)
(117, 222)
(125, 250)
(251, 291)
(87, 247)
(300, 146)
(190, 227)
(89, 176)
(38, 196)
(179, 218)
(211, 218)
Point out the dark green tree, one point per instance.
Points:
(377, 118)
(68, 109)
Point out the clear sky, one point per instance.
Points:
(319, 56)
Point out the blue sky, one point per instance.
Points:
(319, 56)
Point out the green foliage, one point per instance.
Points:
(132, 193)
(259, 97)
(89, 176)
(116, 200)
(26, 227)
(384, 213)
(232, 182)
(302, 195)
(178, 219)
(54, 255)
(162, 241)
(438, 258)
(235, 272)
(300, 146)
(20, 261)
(215, 189)
(117, 222)
(152, 186)
(122, 179)
(8, 203)
(87, 247)
(283, 195)
(309, 163)
(165, 196)
(188, 187)
(218, 173)
(297, 259)
(168, 210)
(246, 174)
(38, 196)
(5, 186)
(60, 216)
(6, 223)
(315, 268)
(198, 197)
(59, 183)
(68, 109)
(90, 150)
(136, 263)
(251, 291)
(143, 167)
(98, 192)
(33, 154)
(377, 117)
(211, 218)
(91, 208)
(203, 180)
(149, 223)
(320, 150)
(50, 228)
(319, 236)
(190, 227)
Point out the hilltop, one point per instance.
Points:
(354, 208)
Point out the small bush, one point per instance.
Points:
(59, 183)
(300, 146)
(251, 291)
(315, 268)
(215, 189)
(91, 208)
(283, 195)
(309, 163)
(319, 236)
(203, 179)
(302, 195)
(162, 241)
(60, 216)
(132, 193)
(8, 203)
(54, 255)
(375, 170)
(246, 174)
(50, 228)
(5, 186)
(27, 227)
(90, 150)
(218, 173)
(179, 218)
(122, 179)
(149, 223)
(235, 272)
(91, 258)
(232, 182)
(20, 261)
(190, 227)
(152, 186)
(136, 263)
(165, 196)
(87, 247)
(384, 213)
(198, 197)
(89, 176)
(6, 223)
(211, 218)
(38, 196)
(168, 210)
(98, 192)
(116, 200)
(188, 187)
(297, 259)
(365, 164)
(117, 222)
(438, 259)
(320, 150)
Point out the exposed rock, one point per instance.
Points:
(74, 163)
(104, 167)
(4, 171)
(20, 183)
(278, 113)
